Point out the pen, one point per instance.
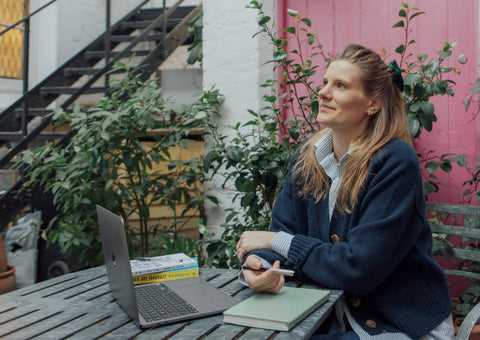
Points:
(286, 272)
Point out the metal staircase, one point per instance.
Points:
(162, 29)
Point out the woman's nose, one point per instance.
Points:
(324, 92)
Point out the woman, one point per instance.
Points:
(351, 214)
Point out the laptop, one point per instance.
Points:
(157, 303)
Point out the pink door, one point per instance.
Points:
(369, 22)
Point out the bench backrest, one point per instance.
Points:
(459, 219)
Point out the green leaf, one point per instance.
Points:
(256, 4)
(422, 57)
(290, 29)
(432, 166)
(415, 106)
(446, 167)
(428, 108)
(413, 78)
(315, 106)
(263, 20)
(400, 49)
(402, 13)
(416, 14)
(307, 22)
(399, 24)
(445, 54)
(292, 12)
(413, 125)
(430, 187)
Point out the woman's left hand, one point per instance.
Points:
(251, 240)
(268, 281)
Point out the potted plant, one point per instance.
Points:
(7, 273)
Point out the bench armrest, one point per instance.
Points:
(468, 323)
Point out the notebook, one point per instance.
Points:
(157, 303)
(280, 311)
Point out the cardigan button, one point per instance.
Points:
(335, 238)
(371, 324)
(355, 301)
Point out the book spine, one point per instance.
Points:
(152, 268)
(165, 276)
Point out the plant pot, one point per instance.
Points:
(3, 256)
(8, 280)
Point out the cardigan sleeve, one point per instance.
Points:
(383, 227)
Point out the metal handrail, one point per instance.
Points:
(27, 17)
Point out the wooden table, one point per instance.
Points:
(79, 306)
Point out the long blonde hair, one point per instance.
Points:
(387, 124)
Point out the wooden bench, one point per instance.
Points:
(455, 220)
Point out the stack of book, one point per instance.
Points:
(163, 268)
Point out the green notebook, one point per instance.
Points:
(280, 311)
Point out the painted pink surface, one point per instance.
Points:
(340, 22)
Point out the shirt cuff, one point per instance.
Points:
(281, 243)
(241, 279)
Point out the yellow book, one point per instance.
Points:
(166, 276)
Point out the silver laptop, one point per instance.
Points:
(157, 303)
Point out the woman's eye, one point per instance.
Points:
(341, 85)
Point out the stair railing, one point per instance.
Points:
(26, 41)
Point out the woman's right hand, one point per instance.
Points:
(266, 281)
(252, 240)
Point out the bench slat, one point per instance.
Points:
(455, 230)
(453, 208)
(465, 274)
(460, 254)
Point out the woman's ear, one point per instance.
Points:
(374, 107)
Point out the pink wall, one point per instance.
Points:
(339, 22)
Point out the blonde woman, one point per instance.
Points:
(351, 215)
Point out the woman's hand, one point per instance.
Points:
(251, 240)
(267, 281)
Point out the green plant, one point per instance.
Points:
(108, 163)
(425, 78)
(473, 183)
(195, 28)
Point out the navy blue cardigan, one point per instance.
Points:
(383, 261)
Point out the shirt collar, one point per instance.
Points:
(326, 157)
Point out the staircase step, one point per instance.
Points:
(58, 90)
(145, 23)
(43, 136)
(39, 112)
(80, 71)
(89, 55)
(128, 38)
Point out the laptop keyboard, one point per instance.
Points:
(157, 302)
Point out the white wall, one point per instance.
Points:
(10, 91)
(233, 63)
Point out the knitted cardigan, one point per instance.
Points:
(381, 254)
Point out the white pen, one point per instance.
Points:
(286, 272)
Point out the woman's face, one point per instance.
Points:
(344, 106)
